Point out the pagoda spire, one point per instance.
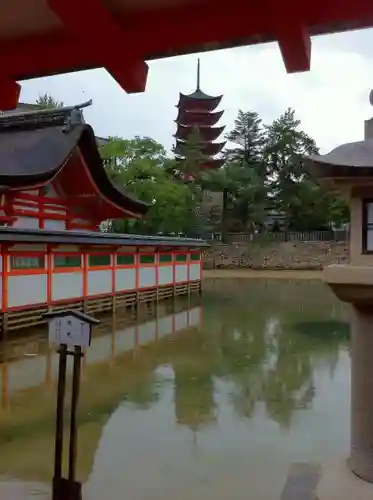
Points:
(196, 113)
(199, 74)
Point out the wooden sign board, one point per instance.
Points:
(71, 328)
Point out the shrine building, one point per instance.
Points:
(55, 193)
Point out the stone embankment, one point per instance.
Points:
(305, 255)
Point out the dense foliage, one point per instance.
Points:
(46, 101)
(263, 174)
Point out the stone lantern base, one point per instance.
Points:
(353, 479)
(337, 482)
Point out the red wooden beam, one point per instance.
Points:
(288, 25)
(86, 45)
(295, 47)
(145, 37)
(95, 28)
(50, 54)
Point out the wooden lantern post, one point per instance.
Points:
(69, 329)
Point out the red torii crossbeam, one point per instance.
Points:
(41, 38)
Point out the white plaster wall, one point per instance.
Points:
(67, 285)
(165, 275)
(26, 373)
(181, 273)
(125, 279)
(181, 320)
(31, 372)
(33, 248)
(34, 192)
(30, 208)
(125, 339)
(27, 222)
(195, 316)
(66, 248)
(147, 277)
(165, 326)
(146, 332)
(27, 289)
(99, 350)
(54, 224)
(18, 206)
(99, 282)
(195, 272)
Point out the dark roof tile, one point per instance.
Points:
(35, 145)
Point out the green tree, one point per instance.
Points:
(138, 165)
(219, 181)
(305, 204)
(247, 138)
(128, 150)
(246, 170)
(191, 157)
(118, 153)
(46, 101)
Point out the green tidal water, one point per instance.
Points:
(199, 400)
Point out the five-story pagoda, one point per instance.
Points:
(197, 115)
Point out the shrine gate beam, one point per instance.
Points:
(120, 36)
(112, 48)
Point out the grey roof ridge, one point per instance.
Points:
(45, 112)
(39, 235)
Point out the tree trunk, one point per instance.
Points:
(224, 217)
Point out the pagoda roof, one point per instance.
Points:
(207, 148)
(198, 118)
(192, 102)
(210, 163)
(46, 37)
(354, 159)
(36, 145)
(199, 95)
(207, 133)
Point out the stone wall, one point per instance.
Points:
(279, 255)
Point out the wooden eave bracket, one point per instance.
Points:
(295, 47)
(91, 22)
(292, 35)
(9, 93)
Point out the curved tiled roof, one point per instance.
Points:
(35, 145)
(350, 160)
(354, 154)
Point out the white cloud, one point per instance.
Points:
(331, 100)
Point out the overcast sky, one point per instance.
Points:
(331, 100)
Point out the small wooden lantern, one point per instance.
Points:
(68, 328)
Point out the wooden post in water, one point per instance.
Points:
(68, 329)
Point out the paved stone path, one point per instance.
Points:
(15, 490)
(301, 482)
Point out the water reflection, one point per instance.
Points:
(188, 400)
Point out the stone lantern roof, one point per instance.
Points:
(346, 163)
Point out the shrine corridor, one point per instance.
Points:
(202, 399)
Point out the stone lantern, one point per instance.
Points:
(349, 170)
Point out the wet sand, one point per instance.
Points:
(263, 274)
